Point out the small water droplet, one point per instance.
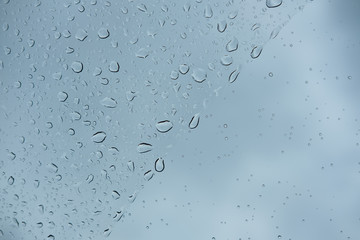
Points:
(142, 53)
(226, 60)
(114, 66)
(199, 75)
(234, 75)
(148, 175)
(221, 26)
(174, 75)
(81, 34)
(208, 12)
(164, 126)
(273, 3)
(144, 147)
(98, 137)
(77, 66)
(194, 122)
(62, 96)
(115, 194)
(271, 74)
(256, 51)
(159, 165)
(11, 180)
(108, 102)
(184, 68)
(90, 178)
(103, 33)
(131, 166)
(232, 45)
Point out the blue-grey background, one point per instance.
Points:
(275, 155)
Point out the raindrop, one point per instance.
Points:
(226, 60)
(115, 194)
(232, 45)
(256, 51)
(275, 32)
(144, 147)
(108, 102)
(114, 66)
(159, 165)
(90, 178)
(221, 26)
(52, 168)
(81, 34)
(174, 75)
(233, 14)
(234, 75)
(183, 68)
(199, 75)
(11, 180)
(107, 232)
(98, 137)
(194, 122)
(131, 166)
(273, 3)
(142, 53)
(118, 216)
(12, 155)
(271, 74)
(103, 33)
(148, 175)
(164, 126)
(77, 66)
(208, 12)
(62, 96)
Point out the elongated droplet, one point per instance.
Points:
(144, 147)
(98, 137)
(194, 122)
(275, 32)
(108, 102)
(115, 194)
(208, 12)
(199, 75)
(131, 166)
(159, 165)
(164, 126)
(118, 216)
(256, 51)
(11, 180)
(148, 175)
(234, 74)
(273, 3)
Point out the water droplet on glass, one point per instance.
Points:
(273, 3)
(174, 75)
(199, 75)
(234, 75)
(144, 147)
(233, 14)
(131, 166)
(184, 68)
(108, 102)
(11, 180)
(226, 60)
(232, 45)
(164, 126)
(81, 34)
(208, 12)
(115, 195)
(90, 178)
(142, 53)
(62, 96)
(148, 175)
(159, 165)
(77, 66)
(221, 26)
(194, 122)
(114, 66)
(103, 33)
(256, 51)
(271, 74)
(275, 32)
(98, 137)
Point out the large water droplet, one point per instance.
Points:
(199, 75)
(144, 147)
(184, 68)
(98, 137)
(273, 3)
(194, 122)
(164, 126)
(234, 74)
(108, 102)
